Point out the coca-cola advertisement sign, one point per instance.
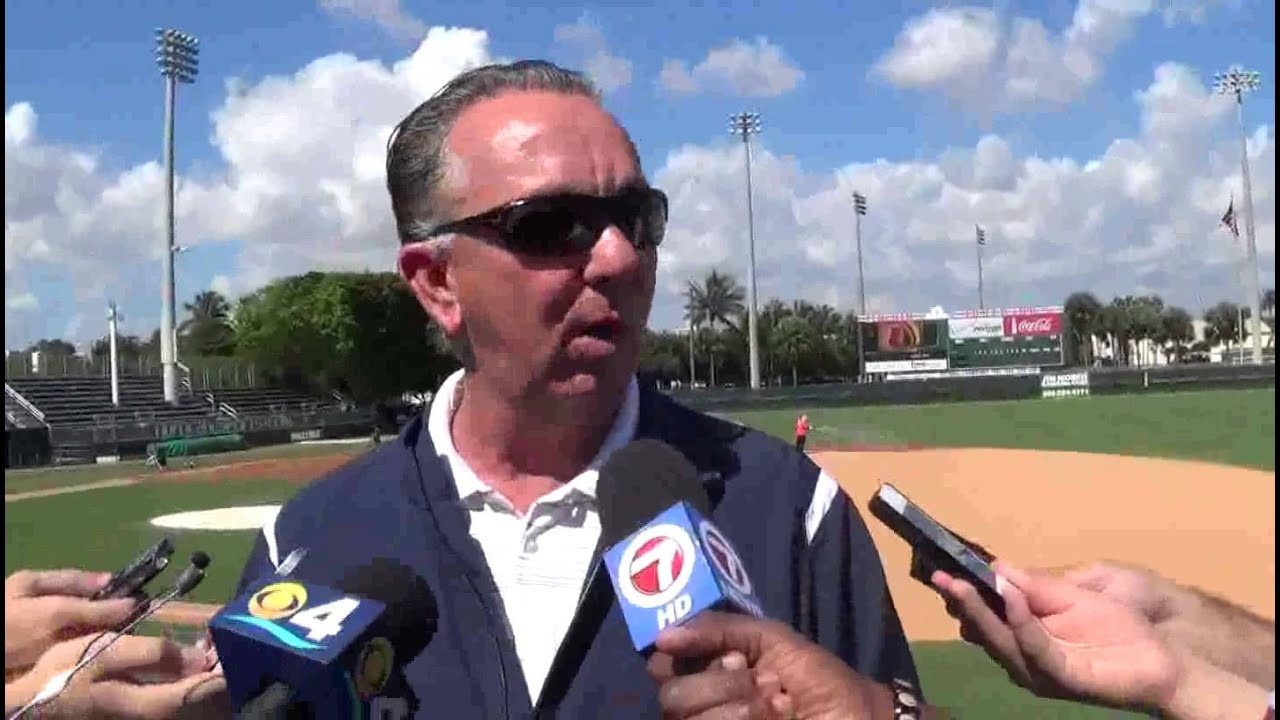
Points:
(1033, 324)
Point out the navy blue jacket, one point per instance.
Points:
(399, 502)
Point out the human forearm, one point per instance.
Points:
(1207, 692)
(1226, 635)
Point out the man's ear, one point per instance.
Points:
(426, 269)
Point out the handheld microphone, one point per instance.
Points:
(186, 582)
(293, 648)
(667, 561)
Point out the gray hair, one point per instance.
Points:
(416, 157)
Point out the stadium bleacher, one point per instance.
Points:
(86, 401)
(266, 401)
(16, 417)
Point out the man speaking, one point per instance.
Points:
(529, 234)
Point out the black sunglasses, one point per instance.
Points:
(566, 223)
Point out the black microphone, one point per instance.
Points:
(640, 480)
(293, 649)
(186, 582)
(636, 482)
(666, 559)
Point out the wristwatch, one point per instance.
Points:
(906, 705)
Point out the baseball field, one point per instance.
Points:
(1183, 483)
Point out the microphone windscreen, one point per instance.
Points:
(640, 480)
(411, 614)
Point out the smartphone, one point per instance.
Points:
(934, 546)
(133, 577)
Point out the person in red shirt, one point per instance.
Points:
(802, 431)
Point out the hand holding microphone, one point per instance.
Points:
(290, 646)
(44, 607)
(790, 678)
(97, 675)
(690, 604)
(666, 560)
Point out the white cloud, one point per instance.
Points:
(1143, 213)
(303, 189)
(387, 14)
(738, 68)
(1193, 11)
(20, 302)
(222, 285)
(303, 184)
(586, 40)
(987, 63)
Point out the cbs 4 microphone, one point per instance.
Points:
(290, 648)
(666, 560)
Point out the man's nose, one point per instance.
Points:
(612, 256)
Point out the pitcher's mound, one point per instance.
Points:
(1206, 525)
(249, 517)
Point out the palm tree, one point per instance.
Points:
(717, 302)
(1222, 324)
(793, 340)
(209, 327)
(1175, 328)
(767, 327)
(1083, 313)
(1144, 321)
(1116, 322)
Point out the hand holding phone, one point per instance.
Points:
(936, 547)
(130, 580)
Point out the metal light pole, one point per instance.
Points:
(982, 241)
(113, 318)
(176, 55)
(1238, 81)
(692, 364)
(745, 125)
(860, 209)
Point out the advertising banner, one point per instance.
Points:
(974, 328)
(904, 345)
(1066, 384)
(1040, 324)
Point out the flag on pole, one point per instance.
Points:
(1229, 219)
(982, 235)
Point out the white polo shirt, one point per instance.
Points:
(540, 560)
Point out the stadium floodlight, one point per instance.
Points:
(744, 125)
(177, 55)
(1239, 82)
(860, 209)
(113, 320)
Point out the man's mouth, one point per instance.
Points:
(603, 329)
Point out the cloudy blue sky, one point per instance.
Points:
(1082, 134)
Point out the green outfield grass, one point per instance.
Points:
(1235, 427)
(104, 528)
(961, 678)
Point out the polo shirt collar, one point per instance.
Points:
(440, 419)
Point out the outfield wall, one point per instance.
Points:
(1026, 384)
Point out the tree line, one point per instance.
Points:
(365, 334)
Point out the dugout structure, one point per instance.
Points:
(973, 341)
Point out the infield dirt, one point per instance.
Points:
(1205, 525)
